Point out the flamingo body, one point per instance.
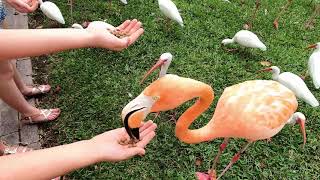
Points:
(52, 11)
(314, 67)
(247, 39)
(169, 9)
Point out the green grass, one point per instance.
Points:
(95, 85)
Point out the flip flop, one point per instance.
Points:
(38, 90)
(45, 112)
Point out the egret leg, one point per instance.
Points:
(305, 75)
(235, 158)
(276, 21)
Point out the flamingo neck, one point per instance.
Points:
(205, 133)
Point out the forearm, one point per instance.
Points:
(47, 163)
(34, 42)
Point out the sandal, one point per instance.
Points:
(13, 149)
(45, 112)
(38, 90)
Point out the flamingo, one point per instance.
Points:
(276, 21)
(52, 11)
(253, 110)
(294, 83)
(169, 9)
(247, 39)
(314, 65)
(316, 11)
(249, 24)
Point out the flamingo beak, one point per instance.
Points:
(159, 63)
(312, 46)
(133, 132)
(265, 70)
(302, 123)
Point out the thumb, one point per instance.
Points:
(135, 151)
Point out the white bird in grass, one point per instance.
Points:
(96, 24)
(314, 65)
(294, 83)
(124, 1)
(52, 11)
(169, 9)
(247, 39)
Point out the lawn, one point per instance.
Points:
(96, 84)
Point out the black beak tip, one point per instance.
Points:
(135, 133)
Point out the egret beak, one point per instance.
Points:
(265, 70)
(159, 63)
(312, 46)
(302, 123)
(132, 132)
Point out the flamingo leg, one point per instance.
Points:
(235, 158)
(275, 22)
(222, 147)
(316, 11)
(156, 115)
(254, 15)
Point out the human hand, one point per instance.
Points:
(24, 6)
(107, 146)
(104, 39)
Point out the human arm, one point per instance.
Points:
(35, 42)
(52, 162)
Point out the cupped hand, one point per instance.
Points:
(104, 39)
(109, 149)
(24, 6)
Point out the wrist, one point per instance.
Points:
(91, 151)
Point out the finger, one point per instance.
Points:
(145, 126)
(135, 27)
(130, 152)
(124, 24)
(23, 5)
(135, 36)
(146, 139)
(130, 26)
(150, 129)
(34, 5)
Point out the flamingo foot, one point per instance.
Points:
(205, 176)
(276, 24)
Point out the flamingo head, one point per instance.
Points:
(134, 113)
(314, 46)
(163, 63)
(299, 118)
